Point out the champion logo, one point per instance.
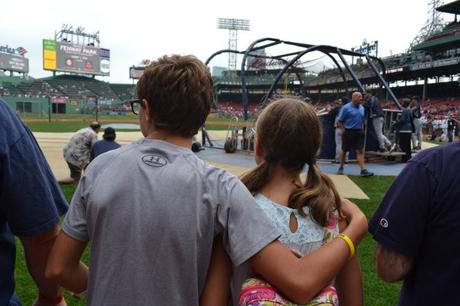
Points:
(154, 160)
(384, 223)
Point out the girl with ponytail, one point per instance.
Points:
(305, 210)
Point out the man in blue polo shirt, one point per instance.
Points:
(31, 203)
(418, 230)
(351, 120)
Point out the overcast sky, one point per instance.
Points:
(135, 30)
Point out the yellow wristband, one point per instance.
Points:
(349, 243)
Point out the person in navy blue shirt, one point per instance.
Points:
(351, 120)
(405, 127)
(31, 203)
(107, 144)
(418, 230)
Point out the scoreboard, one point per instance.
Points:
(68, 57)
(12, 62)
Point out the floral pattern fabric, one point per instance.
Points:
(257, 292)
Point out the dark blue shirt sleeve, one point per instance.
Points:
(31, 200)
(92, 152)
(400, 220)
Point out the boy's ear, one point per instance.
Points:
(257, 146)
(146, 107)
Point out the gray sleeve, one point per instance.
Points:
(75, 222)
(247, 230)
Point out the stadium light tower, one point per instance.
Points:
(434, 24)
(233, 26)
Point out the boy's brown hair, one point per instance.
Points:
(179, 91)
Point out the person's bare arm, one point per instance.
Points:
(217, 288)
(64, 266)
(349, 284)
(37, 249)
(300, 279)
(349, 281)
(390, 265)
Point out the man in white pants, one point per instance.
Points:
(338, 131)
(417, 136)
(376, 115)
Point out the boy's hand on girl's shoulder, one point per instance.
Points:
(353, 214)
(346, 210)
(350, 210)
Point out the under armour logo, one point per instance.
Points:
(154, 160)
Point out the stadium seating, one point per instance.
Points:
(124, 91)
(235, 109)
(9, 89)
(101, 89)
(69, 86)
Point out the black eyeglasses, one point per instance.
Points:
(136, 105)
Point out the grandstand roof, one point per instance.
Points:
(441, 41)
(414, 71)
(452, 7)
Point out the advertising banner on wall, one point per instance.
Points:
(59, 99)
(13, 62)
(135, 72)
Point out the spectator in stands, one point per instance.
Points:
(31, 204)
(417, 229)
(77, 152)
(417, 136)
(108, 143)
(352, 121)
(152, 228)
(377, 117)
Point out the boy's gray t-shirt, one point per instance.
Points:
(151, 211)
